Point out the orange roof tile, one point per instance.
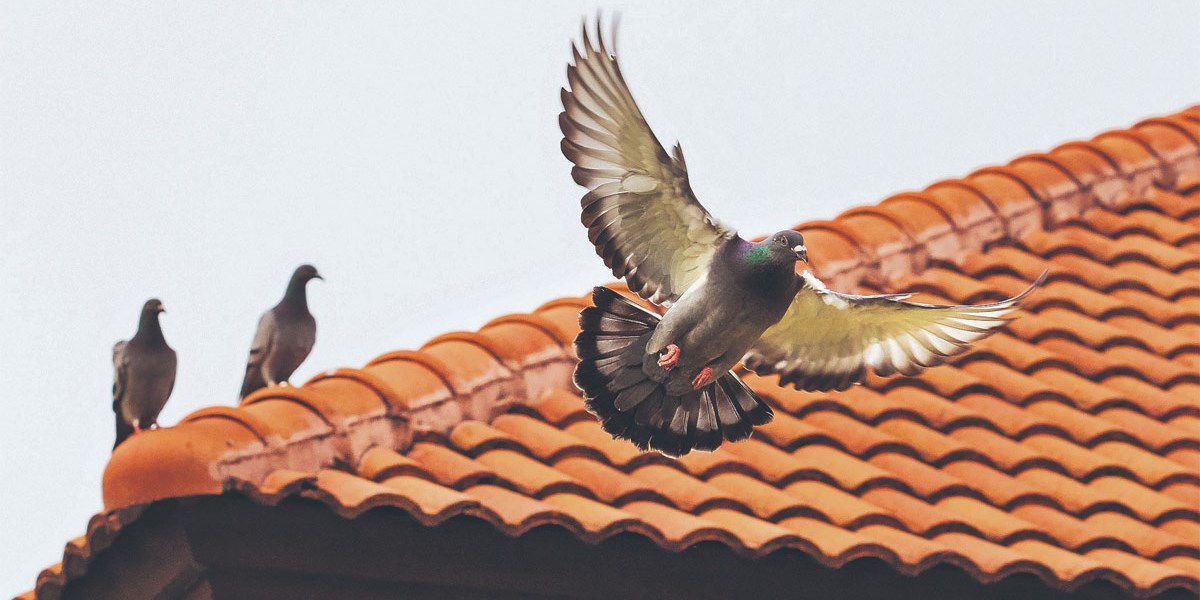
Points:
(1067, 447)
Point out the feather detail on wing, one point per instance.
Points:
(260, 350)
(827, 340)
(124, 429)
(640, 211)
(260, 347)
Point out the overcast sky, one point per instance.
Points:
(410, 151)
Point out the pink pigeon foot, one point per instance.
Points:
(702, 379)
(670, 358)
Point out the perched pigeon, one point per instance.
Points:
(285, 335)
(144, 374)
(666, 383)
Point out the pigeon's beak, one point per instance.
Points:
(801, 252)
(318, 276)
(160, 309)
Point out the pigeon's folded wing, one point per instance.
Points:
(118, 375)
(260, 347)
(826, 340)
(640, 211)
(260, 350)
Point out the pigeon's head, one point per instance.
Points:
(306, 272)
(153, 306)
(788, 245)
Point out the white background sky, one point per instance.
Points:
(410, 151)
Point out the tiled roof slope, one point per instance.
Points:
(1067, 446)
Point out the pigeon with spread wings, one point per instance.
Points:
(665, 383)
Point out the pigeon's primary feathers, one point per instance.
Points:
(143, 374)
(667, 384)
(284, 337)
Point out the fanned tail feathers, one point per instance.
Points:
(611, 347)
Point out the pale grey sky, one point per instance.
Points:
(198, 153)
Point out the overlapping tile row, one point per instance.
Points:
(1067, 446)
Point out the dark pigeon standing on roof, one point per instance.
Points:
(666, 383)
(144, 374)
(285, 335)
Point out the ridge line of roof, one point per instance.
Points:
(1038, 191)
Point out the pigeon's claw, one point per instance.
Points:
(703, 378)
(670, 357)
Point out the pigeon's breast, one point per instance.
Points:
(150, 378)
(292, 345)
(720, 318)
(293, 349)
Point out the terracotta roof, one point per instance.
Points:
(1067, 447)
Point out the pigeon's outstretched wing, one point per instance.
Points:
(120, 379)
(640, 211)
(260, 352)
(826, 340)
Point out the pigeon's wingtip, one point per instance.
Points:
(601, 45)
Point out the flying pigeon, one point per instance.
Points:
(144, 374)
(285, 335)
(665, 383)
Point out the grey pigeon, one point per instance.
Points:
(144, 374)
(285, 335)
(666, 383)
